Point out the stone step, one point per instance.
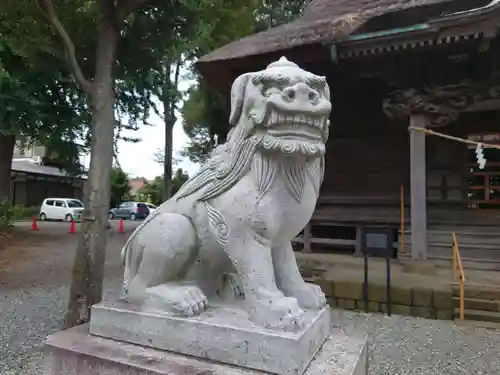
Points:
(477, 291)
(478, 304)
(475, 259)
(483, 316)
(466, 246)
(475, 245)
(464, 237)
(466, 252)
(469, 264)
(476, 239)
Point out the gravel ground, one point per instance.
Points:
(401, 345)
(34, 289)
(26, 320)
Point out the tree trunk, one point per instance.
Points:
(169, 117)
(7, 143)
(88, 267)
(167, 164)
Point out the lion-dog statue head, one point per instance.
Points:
(283, 107)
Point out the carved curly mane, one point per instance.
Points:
(226, 166)
(231, 161)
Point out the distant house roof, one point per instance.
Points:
(29, 166)
(136, 184)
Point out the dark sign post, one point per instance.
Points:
(378, 242)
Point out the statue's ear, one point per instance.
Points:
(238, 97)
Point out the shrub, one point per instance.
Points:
(10, 213)
(7, 214)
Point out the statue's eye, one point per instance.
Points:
(268, 91)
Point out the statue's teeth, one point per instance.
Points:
(274, 117)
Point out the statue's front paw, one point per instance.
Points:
(309, 296)
(282, 313)
(186, 300)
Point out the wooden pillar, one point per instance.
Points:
(418, 188)
(307, 238)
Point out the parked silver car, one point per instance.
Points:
(129, 210)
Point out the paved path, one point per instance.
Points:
(34, 284)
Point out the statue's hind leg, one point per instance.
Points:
(169, 246)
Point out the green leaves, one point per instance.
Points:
(205, 111)
(38, 100)
(153, 190)
(120, 188)
(204, 114)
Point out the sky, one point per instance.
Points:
(136, 159)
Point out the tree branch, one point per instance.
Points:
(173, 105)
(48, 10)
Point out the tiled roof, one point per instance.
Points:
(28, 166)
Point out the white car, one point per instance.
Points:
(66, 209)
(151, 207)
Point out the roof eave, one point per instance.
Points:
(433, 25)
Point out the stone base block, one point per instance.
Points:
(223, 333)
(75, 351)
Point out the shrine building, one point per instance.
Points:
(398, 71)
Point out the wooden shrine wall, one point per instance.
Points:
(368, 158)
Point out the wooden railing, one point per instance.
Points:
(457, 262)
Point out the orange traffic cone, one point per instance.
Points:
(72, 227)
(34, 225)
(120, 228)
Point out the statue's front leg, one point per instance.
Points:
(267, 305)
(290, 281)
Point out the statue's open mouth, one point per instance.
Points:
(297, 126)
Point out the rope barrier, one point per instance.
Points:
(458, 139)
(481, 160)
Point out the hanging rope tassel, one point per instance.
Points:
(481, 160)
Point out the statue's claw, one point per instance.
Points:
(187, 300)
(293, 323)
(191, 301)
(309, 296)
(280, 313)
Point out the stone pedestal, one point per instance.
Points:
(75, 351)
(224, 333)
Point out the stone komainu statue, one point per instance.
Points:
(239, 213)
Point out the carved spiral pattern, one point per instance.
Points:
(223, 232)
(289, 148)
(218, 224)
